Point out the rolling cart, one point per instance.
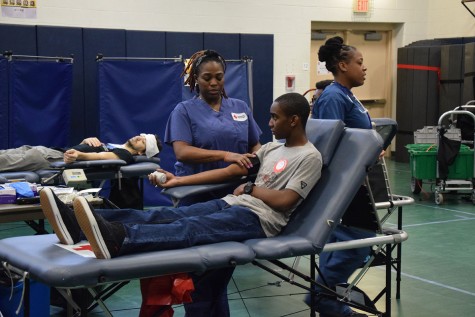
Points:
(461, 179)
(424, 163)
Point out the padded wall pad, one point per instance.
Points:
(402, 139)
(261, 49)
(452, 59)
(226, 44)
(183, 43)
(61, 41)
(20, 39)
(433, 78)
(109, 43)
(469, 73)
(4, 120)
(145, 43)
(420, 88)
(403, 94)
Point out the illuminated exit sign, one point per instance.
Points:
(360, 6)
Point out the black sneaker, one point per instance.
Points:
(60, 217)
(105, 237)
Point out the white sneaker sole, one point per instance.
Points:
(89, 226)
(51, 211)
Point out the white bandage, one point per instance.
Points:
(151, 148)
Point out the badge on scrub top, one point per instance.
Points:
(239, 116)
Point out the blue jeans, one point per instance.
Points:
(168, 228)
(336, 267)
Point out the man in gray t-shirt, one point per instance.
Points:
(296, 168)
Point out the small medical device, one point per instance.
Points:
(73, 177)
(160, 177)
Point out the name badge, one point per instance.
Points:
(239, 116)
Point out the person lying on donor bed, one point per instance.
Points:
(286, 174)
(33, 158)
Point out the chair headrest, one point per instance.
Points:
(325, 135)
(387, 129)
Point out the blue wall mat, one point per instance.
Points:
(61, 41)
(20, 39)
(236, 82)
(136, 97)
(40, 103)
(145, 44)
(261, 49)
(225, 44)
(109, 43)
(4, 122)
(181, 43)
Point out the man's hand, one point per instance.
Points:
(239, 190)
(92, 141)
(70, 156)
(170, 182)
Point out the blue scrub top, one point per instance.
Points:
(338, 102)
(231, 129)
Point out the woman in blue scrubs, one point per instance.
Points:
(338, 102)
(207, 132)
(210, 130)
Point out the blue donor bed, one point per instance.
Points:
(347, 155)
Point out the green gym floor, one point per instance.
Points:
(438, 265)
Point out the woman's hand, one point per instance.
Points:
(241, 159)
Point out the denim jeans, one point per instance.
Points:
(168, 228)
(337, 266)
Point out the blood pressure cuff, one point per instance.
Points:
(256, 164)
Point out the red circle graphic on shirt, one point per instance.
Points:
(280, 165)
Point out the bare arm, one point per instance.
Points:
(280, 200)
(75, 155)
(208, 177)
(191, 154)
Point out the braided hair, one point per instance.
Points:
(333, 52)
(194, 64)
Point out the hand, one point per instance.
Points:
(70, 156)
(241, 159)
(382, 154)
(92, 141)
(170, 182)
(239, 190)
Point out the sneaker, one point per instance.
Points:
(105, 237)
(319, 298)
(60, 217)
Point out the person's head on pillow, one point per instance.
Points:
(148, 144)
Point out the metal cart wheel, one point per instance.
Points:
(416, 185)
(439, 198)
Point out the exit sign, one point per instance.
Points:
(360, 6)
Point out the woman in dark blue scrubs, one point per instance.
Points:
(207, 132)
(338, 102)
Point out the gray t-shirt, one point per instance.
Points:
(297, 168)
